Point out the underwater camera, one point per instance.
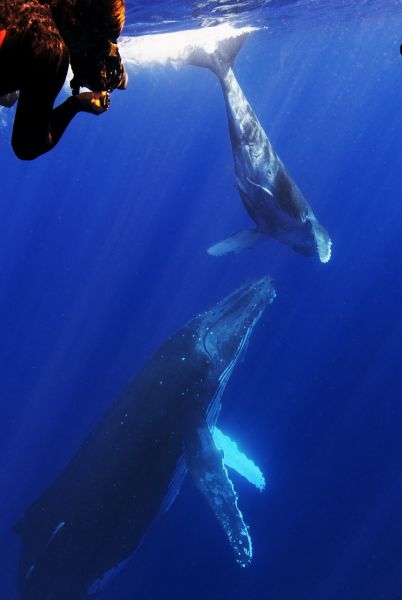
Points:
(100, 69)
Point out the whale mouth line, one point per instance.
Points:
(214, 407)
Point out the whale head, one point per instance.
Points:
(225, 329)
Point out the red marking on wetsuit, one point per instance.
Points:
(2, 36)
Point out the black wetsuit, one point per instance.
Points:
(34, 59)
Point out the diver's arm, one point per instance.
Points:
(38, 127)
(91, 102)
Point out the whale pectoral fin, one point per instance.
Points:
(235, 459)
(322, 240)
(205, 464)
(241, 240)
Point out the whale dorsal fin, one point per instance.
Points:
(205, 465)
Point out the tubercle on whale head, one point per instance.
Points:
(224, 329)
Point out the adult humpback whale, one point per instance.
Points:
(270, 196)
(86, 525)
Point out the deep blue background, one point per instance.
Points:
(102, 256)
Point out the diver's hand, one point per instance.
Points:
(94, 102)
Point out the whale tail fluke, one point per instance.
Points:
(222, 57)
(323, 241)
(241, 240)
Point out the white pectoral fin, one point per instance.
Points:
(237, 460)
(205, 465)
(322, 240)
(241, 240)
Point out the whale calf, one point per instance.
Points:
(270, 196)
(86, 525)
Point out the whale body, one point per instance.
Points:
(270, 196)
(86, 525)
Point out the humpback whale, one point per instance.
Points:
(86, 525)
(270, 196)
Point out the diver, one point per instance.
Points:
(38, 41)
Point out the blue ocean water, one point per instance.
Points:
(103, 256)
